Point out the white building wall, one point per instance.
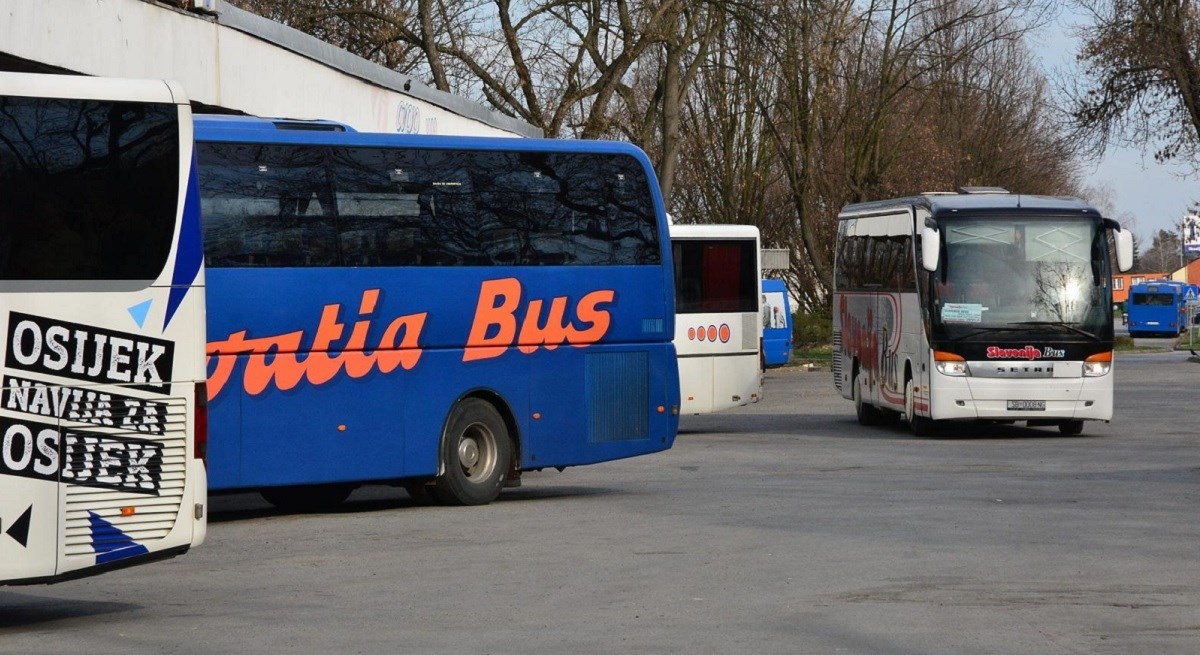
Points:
(295, 75)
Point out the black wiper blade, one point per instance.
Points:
(1060, 324)
(985, 331)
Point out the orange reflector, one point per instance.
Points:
(537, 416)
(942, 356)
(691, 397)
(661, 409)
(1100, 357)
(128, 511)
(342, 428)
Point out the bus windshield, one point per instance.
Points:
(1045, 275)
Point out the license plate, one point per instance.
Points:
(1027, 405)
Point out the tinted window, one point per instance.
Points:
(88, 189)
(875, 263)
(715, 276)
(1154, 299)
(335, 206)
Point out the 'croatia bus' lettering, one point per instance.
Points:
(496, 312)
(285, 361)
(273, 360)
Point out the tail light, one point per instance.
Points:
(200, 423)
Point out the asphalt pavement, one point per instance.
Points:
(783, 527)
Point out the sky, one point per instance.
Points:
(1156, 195)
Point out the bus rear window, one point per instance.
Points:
(88, 189)
(1154, 299)
(715, 276)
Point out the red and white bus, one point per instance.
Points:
(982, 306)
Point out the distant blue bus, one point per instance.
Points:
(440, 313)
(777, 324)
(1157, 308)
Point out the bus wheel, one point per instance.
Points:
(476, 455)
(307, 498)
(921, 426)
(1071, 427)
(866, 412)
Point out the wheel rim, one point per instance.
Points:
(477, 452)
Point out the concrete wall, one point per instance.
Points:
(237, 61)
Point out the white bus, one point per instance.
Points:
(718, 316)
(983, 305)
(101, 327)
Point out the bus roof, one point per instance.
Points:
(1174, 284)
(711, 231)
(36, 85)
(939, 204)
(241, 129)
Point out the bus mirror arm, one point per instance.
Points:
(931, 246)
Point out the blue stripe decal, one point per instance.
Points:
(110, 543)
(189, 252)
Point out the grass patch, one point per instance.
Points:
(1189, 340)
(822, 353)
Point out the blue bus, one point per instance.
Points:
(1157, 308)
(777, 324)
(438, 313)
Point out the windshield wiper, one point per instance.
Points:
(1061, 324)
(985, 331)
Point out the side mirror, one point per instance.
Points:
(1124, 240)
(931, 246)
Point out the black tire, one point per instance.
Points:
(867, 413)
(476, 454)
(307, 498)
(920, 426)
(1071, 427)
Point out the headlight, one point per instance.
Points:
(952, 368)
(1097, 365)
(949, 363)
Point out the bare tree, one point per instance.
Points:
(1141, 77)
(774, 112)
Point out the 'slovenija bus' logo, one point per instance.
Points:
(1028, 352)
(275, 361)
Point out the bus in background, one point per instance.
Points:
(101, 284)
(981, 305)
(777, 324)
(1158, 308)
(439, 313)
(718, 307)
